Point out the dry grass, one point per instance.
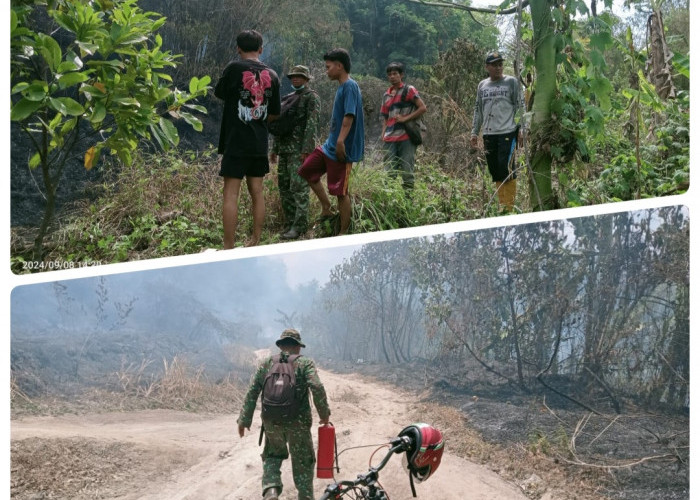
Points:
(16, 394)
(180, 387)
(349, 396)
(177, 386)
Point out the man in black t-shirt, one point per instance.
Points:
(251, 94)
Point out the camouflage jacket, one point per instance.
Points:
(304, 137)
(306, 379)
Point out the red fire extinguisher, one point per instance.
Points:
(327, 451)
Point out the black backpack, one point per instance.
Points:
(289, 114)
(279, 399)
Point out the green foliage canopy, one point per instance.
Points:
(98, 82)
(111, 74)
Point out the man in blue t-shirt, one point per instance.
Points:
(345, 144)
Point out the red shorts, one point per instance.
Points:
(337, 174)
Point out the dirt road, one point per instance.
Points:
(178, 455)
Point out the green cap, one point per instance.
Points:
(290, 334)
(299, 70)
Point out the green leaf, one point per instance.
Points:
(88, 48)
(70, 79)
(601, 40)
(194, 83)
(23, 109)
(204, 82)
(127, 101)
(69, 125)
(58, 106)
(595, 120)
(158, 135)
(66, 66)
(602, 87)
(55, 121)
(124, 155)
(169, 131)
(157, 24)
(36, 91)
(49, 50)
(681, 63)
(597, 59)
(195, 122)
(98, 112)
(557, 151)
(196, 107)
(35, 160)
(72, 106)
(19, 87)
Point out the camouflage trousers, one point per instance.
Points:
(294, 192)
(297, 437)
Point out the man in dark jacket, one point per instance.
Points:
(293, 436)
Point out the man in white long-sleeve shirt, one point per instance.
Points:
(498, 99)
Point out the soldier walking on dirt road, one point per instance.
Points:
(287, 424)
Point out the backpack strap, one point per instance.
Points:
(404, 92)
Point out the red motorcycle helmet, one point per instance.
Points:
(423, 458)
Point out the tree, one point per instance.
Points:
(602, 301)
(97, 83)
(377, 288)
(554, 44)
(387, 30)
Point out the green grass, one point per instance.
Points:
(170, 204)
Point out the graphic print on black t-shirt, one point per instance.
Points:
(251, 94)
(252, 104)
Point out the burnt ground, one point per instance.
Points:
(635, 455)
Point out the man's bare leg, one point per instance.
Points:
(345, 209)
(232, 188)
(320, 192)
(255, 188)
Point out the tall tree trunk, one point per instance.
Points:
(540, 182)
(659, 65)
(513, 317)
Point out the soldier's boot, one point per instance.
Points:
(271, 494)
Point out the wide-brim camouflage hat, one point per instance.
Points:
(493, 56)
(290, 334)
(299, 70)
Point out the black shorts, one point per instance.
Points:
(500, 150)
(239, 167)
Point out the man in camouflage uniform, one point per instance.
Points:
(297, 433)
(292, 150)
